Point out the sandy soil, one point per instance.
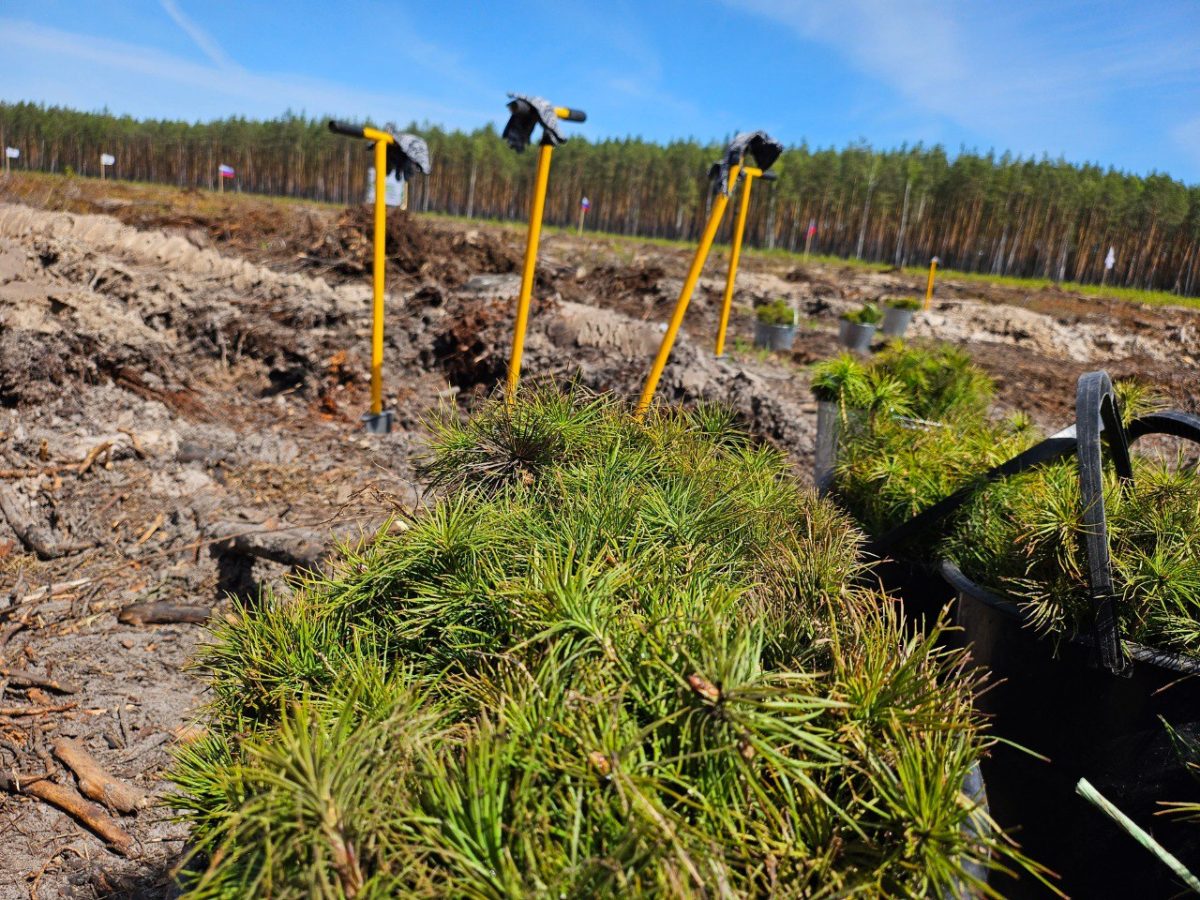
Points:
(180, 384)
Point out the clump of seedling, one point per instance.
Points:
(616, 657)
(777, 312)
(914, 430)
(867, 314)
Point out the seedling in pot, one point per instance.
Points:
(775, 326)
(857, 327)
(898, 315)
(867, 314)
(777, 312)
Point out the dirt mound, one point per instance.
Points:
(1094, 341)
(413, 247)
(86, 298)
(467, 339)
(308, 238)
(636, 289)
(813, 283)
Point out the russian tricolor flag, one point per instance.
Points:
(225, 171)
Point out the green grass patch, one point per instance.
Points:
(1133, 295)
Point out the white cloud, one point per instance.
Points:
(199, 36)
(73, 69)
(1033, 78)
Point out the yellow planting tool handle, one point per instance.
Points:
(536, 210)
(381, 139)
(735, 254)
(527, 272)
(685, 296)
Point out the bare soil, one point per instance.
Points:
(181, 380)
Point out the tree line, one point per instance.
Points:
(998, 214)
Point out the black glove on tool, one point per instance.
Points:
(408, 155)
(763, 148)
(526, 113)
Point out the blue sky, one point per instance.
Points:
(1116, 83)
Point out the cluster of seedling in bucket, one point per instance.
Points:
(1022, 537)
(775, 325)
(914, 427)
(1100, 555)
(616, 657)
(916, 439)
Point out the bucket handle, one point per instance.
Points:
(1097, 422)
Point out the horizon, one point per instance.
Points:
(1084, 83)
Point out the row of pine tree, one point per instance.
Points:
(978, 212)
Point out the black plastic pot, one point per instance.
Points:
(1050, 697)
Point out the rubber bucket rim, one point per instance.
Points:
(1165, 659)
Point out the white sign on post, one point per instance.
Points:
(12, 153)
(107, 159)
(393, 188)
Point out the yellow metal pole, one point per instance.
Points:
(685, 296)
(377, 271)
(929, 284)
(735, 253)
(531, 250)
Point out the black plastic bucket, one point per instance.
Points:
(1050, 697)
(1096, 706)
(922, 592)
